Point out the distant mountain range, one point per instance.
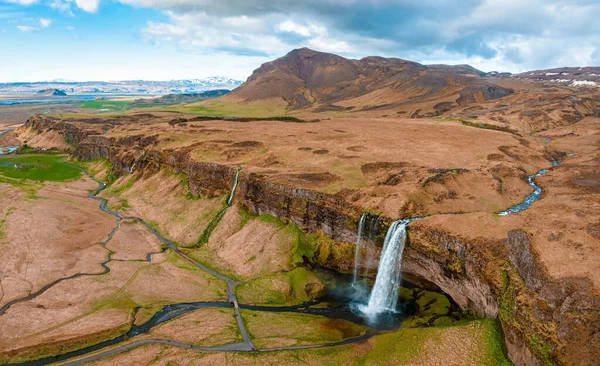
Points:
(124, 87)
(572, 76)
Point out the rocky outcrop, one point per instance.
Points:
(559, 319)
(71, 133)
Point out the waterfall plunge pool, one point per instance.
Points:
(415, 306)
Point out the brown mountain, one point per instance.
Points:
(308, 79)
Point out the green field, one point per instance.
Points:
(221, 107)
(111, 105)
(39, 168)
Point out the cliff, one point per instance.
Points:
(545, 321)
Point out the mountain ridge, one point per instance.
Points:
(305, 78)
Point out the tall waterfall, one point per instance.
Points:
(235, 183)
(359, 234)
(384, 295)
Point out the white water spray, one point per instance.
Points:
(384, 295)
(235, 183)
(361, 226)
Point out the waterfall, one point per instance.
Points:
(235, 183)
(359, 234)
(368, 260)
(384, 295)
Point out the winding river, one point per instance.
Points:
(123, 343)
(5, 150)
(321, 307)
(532, 197)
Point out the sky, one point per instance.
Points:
(83, 40)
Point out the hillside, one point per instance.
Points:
(52, 93)
(308, 79)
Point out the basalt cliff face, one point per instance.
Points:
(545, 321)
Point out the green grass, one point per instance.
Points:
(38, 168)
(3, 222)
(94, 166)
(114, 190)
(284, 288)
(219, 107)
(111, 105)
(306, 245)
(269, 329)
(212, 225)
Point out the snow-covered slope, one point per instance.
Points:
(125, 87)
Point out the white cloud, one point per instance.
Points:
(25, 28)
(302, 30)
(45, 23)
(22, 2)
(64, 6)
(90, 6)
(70, 28)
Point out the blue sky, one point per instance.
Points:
(181, 39)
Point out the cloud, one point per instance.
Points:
(511, 33)
(64, 6)
(45, 23)
(91, 6)
(25, 28)
(22, 2)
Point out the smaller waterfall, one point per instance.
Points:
(368, 259)
(359, 234)
(235, 183)
(384, 295)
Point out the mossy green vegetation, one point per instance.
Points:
(223, 107)
(290, 329)
(285, 288)
(123, 185)
(472, 343)
(38, 168)
(28, 150)
(95, 167)
(512, 312)
(212, 225)
(9, 211)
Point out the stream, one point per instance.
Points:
(5, 150)
(336, 304)
(532, 197)
(332, 306)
